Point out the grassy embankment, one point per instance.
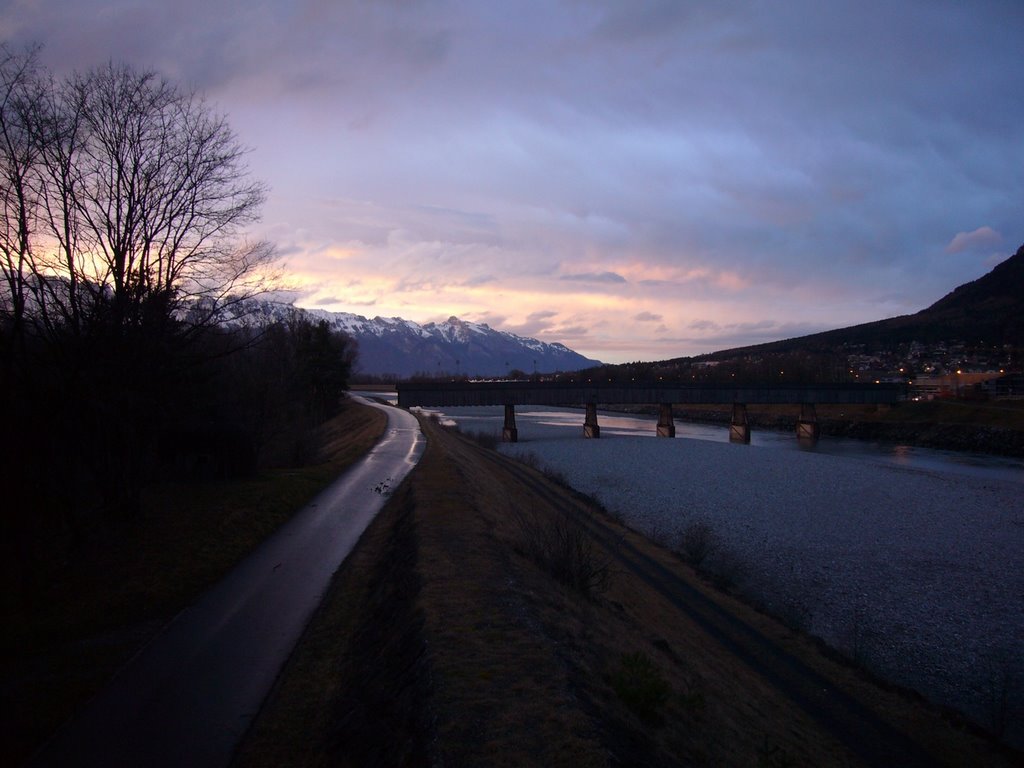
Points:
(445, 640)
(114, 594)
(1000, 413)
(959, 425)
(1003, 413)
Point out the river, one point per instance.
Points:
(545, 423)
(909, 559)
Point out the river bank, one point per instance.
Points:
(915, 573)
(972, 438)
(996, 429)
(447, 640)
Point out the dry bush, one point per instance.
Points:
(697, 542)
(530, 459)
(640, 685)
(563, 549)
(489, 440)
(772, 755)
(659, 533)
(484, 439)
(728, 571)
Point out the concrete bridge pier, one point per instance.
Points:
(590, 427)
(807, 427)
(739, 429)
(666, 426)
(509, 433)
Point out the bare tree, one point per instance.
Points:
(146, 198)
(19, 94)
(125, 204)
(59, 136)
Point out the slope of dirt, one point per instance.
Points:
(454, 637)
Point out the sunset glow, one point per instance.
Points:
(636, 180)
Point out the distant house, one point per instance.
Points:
(1009, 386)
(965, 385)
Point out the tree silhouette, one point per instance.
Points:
(123, 211)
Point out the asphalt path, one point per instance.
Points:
(188, 697)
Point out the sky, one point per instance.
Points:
(637, 180)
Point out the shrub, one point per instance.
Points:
(726, 569)
(693, 702)
(563, 549)
(640, 685)
(773, 756)
(530, 459)
(697, 542)
(659, 534)
(487, 440)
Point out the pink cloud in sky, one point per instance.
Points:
(982, 237)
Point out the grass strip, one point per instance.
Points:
(115, 594)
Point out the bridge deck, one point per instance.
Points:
(456, 394)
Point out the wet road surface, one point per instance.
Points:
(188, 697)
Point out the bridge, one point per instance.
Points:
(663, 394)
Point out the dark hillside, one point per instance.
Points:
(988, 310)
(1002, 287)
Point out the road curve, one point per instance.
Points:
(190, 694)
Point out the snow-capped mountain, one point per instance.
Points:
(391, 345)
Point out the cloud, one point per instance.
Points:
(542, 315)
(536, 323)
(479, 280)
(760, 325)
(704, 325)
(291, 249)
(744, 334)
(486, 318)
(573, 332)
(331, 300)
(982, 237)
(288, 295)
(464, 158)
(594, 277)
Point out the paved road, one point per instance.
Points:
(188, 697)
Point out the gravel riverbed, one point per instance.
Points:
(918, 574)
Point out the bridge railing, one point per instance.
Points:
(463, 393)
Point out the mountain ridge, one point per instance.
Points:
(394, 346)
